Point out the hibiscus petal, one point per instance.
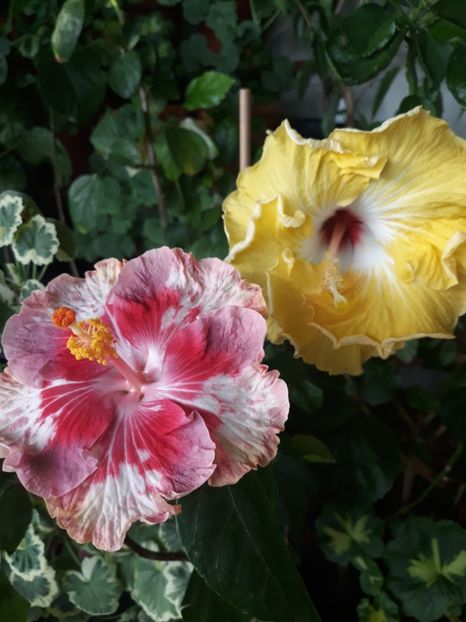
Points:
(35, 348)
(212, 365)
(154, 452)
(50, 432)
(179, 288)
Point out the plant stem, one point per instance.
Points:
(154, 170)
(431, 487)
(57, 184)
(157, 555)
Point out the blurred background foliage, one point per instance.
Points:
(118, 133)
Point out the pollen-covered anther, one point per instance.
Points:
(332, 280)
(92, 340)
(63, 317)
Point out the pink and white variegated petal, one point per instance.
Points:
(244, 413)
(183, 287)
(85, 296)
(220, 343)
(153, 453)
(50, 432)
(35, 348)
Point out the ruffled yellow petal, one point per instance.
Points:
(288, 168)
(400, 275)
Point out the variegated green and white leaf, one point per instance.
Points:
(64, 611)
(28, 287)
(29, 572)
(96, 589)
(35, 241)
(157, 587)
(11, 206)
(168, 536)
(7, 295)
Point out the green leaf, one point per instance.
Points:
(29, 572)
(36, 145)
(96, 589)
(371, 578)
(310, 449)
(86, 195)
(190, 124)
(347, 534)
(307, 395)
(379, 382)
(68, 247)
(355, 69)
(232, 531)
(14, 501)
(369, 28)
(187, 149)
(195, 11)
(456, 77)
(434, 57)
(452, 10)
(203, 605)
(3, 69)
(368, 459)
(13, 607)
(35, 241)
(207, 90)
(125, 75)
(67, 29)
(11, 207)
(427, 564)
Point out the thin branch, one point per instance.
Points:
(57, 185)
(432, 486)
(154, 170)
(307, 18)
(163, 556)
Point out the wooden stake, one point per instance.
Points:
(244, 128)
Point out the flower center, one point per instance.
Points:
(341, 230)
(93, 340)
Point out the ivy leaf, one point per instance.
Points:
(35, 241)
(67, 29)
(233, 531)
(29, 572)
(11, 207)
(13, 607)
(202, 605)
(369, 28)
(456, 78)
(125, 75)
(17, 500)
(207, 90)
(347, 534)
(96, 589)
(427, 564)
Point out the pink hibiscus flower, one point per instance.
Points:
(133, 386)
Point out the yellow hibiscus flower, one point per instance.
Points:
(358, 240)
